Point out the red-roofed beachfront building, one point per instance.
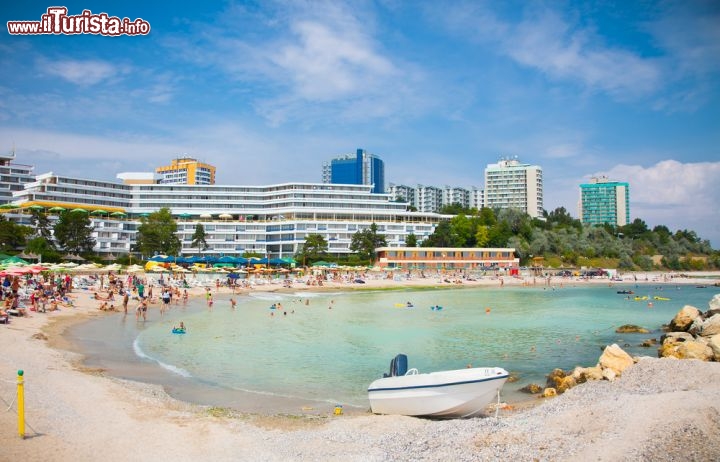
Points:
(450, 258)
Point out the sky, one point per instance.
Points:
(267, 91)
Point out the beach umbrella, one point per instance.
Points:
(118, 214)
(73, 257)
(57, 209)
(78, 210)
(8, 206)
(36, 207)
(99, 212)
(225, 216)
(184, 215)
(28, 256)
(14, 260)
(206, 216)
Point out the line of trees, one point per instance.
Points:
(72, 234)
(563, 239)
(558, 237)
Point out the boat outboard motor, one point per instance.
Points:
(398, 366)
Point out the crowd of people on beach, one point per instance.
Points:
(38, 293)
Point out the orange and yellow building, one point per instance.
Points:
(450, 258)
(186, 170)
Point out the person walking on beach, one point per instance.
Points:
(233, 302)
(141, 290)
(165, 301)
(126, 299)
(185, 296)
(141, 310)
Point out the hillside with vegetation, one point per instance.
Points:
(563, 241)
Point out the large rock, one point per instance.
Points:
(714, 344)
(715, 302)
(684, 318)
(583, 374)
(631, 329)
(555, 377)
(695, 350)
(676, 337)
(615, 358)
(710, 327)
(671, 343)
(533, 388)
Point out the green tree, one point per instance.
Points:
(12, 235)
(157, 234)
(463, 228)
(366, 241)
(41, 224)
(199, 238)
(441, 237)
(452, 209)
(314, 249)
(482, 236)
(411, 240)
(73, 232)
(41, 246)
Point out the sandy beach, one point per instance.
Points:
(660, 409)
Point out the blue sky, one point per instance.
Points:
(267, 91)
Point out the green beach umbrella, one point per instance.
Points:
(118, 214)
(57, 209)
(78, 211)
(99, 212)
(36, 207)
(8, 206)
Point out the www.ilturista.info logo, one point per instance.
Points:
(56, 21)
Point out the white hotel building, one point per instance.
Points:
(271, 220)
(511, 184)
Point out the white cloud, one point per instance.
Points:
(83, 73)
(311, 60)
(326, 63)
(678, 195)
(562, 50)
(548, 43)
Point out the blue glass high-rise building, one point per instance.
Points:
(359, 168)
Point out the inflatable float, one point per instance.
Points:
(177, 330)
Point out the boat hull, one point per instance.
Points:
(446, 394)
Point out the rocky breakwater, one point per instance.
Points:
(611, 364)
(693, 334)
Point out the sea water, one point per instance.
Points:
(328, 347)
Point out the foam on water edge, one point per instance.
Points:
(168, 367)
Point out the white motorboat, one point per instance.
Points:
(444, 394)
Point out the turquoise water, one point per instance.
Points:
(331, 348)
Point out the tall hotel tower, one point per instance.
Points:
(510, 184)
(604, 201)
(359, 168)
(186, 170)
